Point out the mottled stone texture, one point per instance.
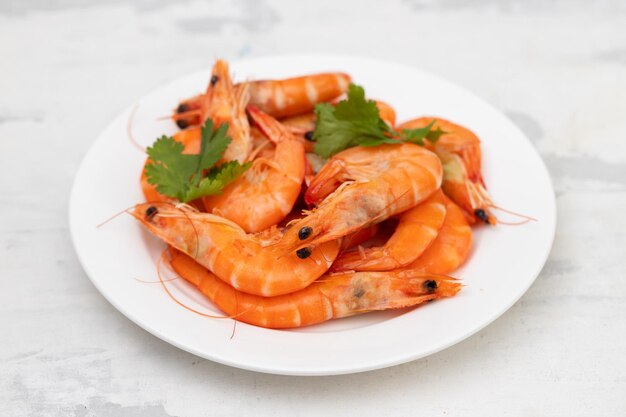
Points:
(557, 68)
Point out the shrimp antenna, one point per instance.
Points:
(116, 215)
(512, 213)
(232, 335)
(129, 129)
(145, 281)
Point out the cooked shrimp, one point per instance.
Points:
(451, 247)
(278, 98)
(292, 96)
(385, 180)
(332, 297)
(459, 151)
(247, 262)
(266, 193)
(417, 229)
(223, 104)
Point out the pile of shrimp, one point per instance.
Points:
(298, 240)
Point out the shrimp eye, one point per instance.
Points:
(309, 135)
(182, 107)
(304, 233)
(151, 212)
(303, 253)
(214, 79)
(482, 215)
(430, 285)
(182, 123)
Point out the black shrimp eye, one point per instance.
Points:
(151, 212)
(182, 107)
(304, 233)
(430, 285)
(309, 135)
(482, 215)
(303, 253)
(182, 123)
(214, 79)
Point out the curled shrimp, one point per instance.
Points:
(368, 185)
(267, 192)
(417, 229)
(332, 297)
(451, 247)
(223, 104)
(247, 262)
(279, 98)
(459, 151)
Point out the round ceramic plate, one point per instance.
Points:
(504, 262)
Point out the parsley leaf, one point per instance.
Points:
(351, 122)
(356, 122)
(181, 176)
(418, 135)
(217, 179)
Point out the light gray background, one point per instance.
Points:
(557, 68)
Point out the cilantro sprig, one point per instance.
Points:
(356, 122)
(191, 176)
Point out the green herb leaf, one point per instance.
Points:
(213, 144)
(351, 122)
(356, 122)
(180, 176)
(434, 135)
(217, 179)
(418, 135)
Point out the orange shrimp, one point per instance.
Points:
(451, 247)
(332, 297)
(384, 181)
(267, 192)
(417, 229)
(278, 98)
(292, 96)
(459, 151)
(223, 104)
(247, 262)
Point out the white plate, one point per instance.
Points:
(504, 263)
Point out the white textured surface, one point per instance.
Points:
(557, 68)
